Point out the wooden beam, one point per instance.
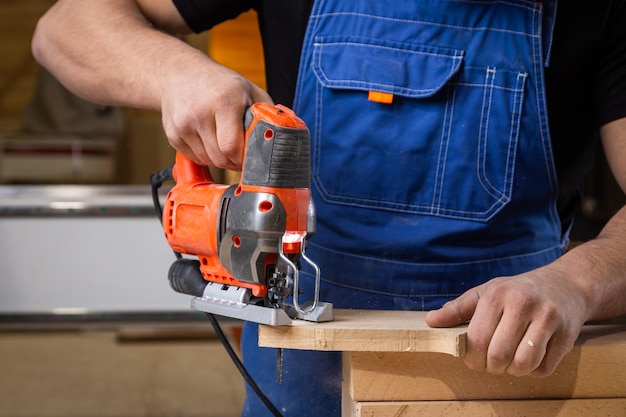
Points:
(589, 371)
(593, 369)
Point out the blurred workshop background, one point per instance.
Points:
(88, 323)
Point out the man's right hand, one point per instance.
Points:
(203, 115)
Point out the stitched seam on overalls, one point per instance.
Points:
(444, 145)
(426, 23)
(529, 5)
(495, 87)
(367, 85)
(482, 134)
(516, 116)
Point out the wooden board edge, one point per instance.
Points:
(606, 407)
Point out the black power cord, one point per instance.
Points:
(240, 366)
(156, 181)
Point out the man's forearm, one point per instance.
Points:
(107, 51)
(599, 267)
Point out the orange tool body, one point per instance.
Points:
(249, 238)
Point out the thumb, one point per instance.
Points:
(455, 312)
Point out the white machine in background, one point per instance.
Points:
(83, 249)
(56, 159)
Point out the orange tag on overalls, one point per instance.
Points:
(380, 97)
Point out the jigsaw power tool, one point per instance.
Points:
(247, 241)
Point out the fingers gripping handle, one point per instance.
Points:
(276, 151)
(187, 172)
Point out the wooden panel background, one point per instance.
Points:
(18, 69)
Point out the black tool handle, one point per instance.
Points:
(185, 277)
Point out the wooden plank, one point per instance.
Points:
(363, 330)
(382, 376)
(593, 369)
(609, 407)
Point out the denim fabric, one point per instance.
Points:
(451, 184)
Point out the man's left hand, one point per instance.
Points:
(520, 325)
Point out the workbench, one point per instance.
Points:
(395, 365)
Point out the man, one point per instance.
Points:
(446, 184)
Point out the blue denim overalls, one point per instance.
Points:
(432, 163)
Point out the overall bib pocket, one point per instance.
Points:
(450, 106)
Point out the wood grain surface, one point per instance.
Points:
(367, 330)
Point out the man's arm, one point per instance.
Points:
(127, 53)
(525, 324)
